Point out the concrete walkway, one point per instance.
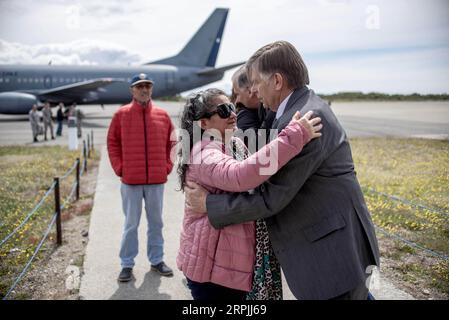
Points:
(102, 264)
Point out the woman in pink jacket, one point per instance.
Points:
(219, 264)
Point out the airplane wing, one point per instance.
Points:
(212, 71)
(84, 91)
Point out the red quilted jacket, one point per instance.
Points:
(140, 142)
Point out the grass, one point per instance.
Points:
(26, 174)
(416, 170)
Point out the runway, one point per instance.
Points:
(429, 119)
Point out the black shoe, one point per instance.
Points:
(162, 269)
(125, 275)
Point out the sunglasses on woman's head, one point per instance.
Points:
(223, 110)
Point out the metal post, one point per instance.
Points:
(88, 145)
(92, 136)
(85, 155)
(58, 212)
(77, 178)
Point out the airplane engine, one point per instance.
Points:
(16, 102)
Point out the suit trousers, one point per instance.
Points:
(132, 198)
(361, 292)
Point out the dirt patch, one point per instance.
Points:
(57, 275)
(405, 268)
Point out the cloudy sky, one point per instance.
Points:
(392, 46)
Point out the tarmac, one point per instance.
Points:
(102, 264)
(425, 119)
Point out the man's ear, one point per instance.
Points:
(278, 81)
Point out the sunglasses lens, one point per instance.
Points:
(223, 113)
(224, 110)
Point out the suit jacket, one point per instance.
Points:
(317, 219)
(266, 117)
(255, 119)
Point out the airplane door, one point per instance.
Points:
(47, 82)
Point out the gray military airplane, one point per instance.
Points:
(21, 86)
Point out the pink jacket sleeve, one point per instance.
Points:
(222, 171)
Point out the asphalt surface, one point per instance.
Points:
(360, 119)
(428, 119)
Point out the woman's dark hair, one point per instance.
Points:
(197, 106)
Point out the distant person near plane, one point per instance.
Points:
(139, 146)
(34, 121)
(47, 116)
(60, 118)
(79, 120)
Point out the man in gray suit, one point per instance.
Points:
(317, 219)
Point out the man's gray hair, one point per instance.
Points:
(280, 57)
(241, 77)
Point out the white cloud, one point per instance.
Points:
(82, 52)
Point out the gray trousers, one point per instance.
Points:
(46, 126)
(132, 198)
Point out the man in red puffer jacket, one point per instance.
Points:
(140, 139)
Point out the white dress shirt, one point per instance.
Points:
(282, 106)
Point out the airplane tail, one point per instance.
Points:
(202, 49)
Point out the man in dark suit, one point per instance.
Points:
(317, 219)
